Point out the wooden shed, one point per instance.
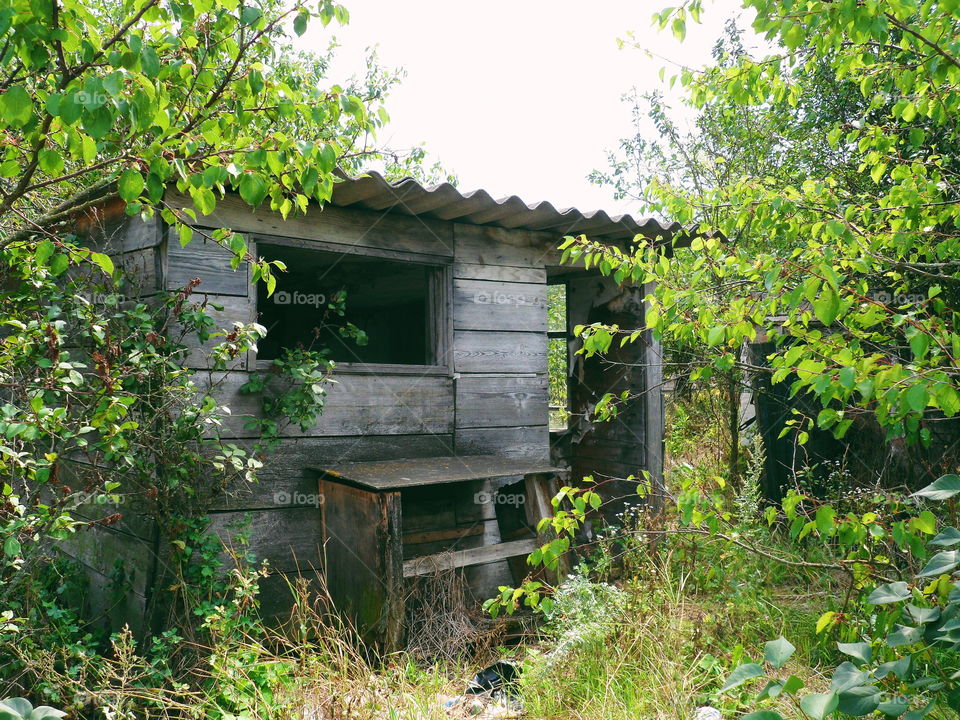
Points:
(442, 413)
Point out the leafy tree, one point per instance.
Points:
(108, 102)
(846, 260)
(853, 277)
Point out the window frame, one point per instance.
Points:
(440, 291)
(564, 335)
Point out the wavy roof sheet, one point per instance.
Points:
(374, 192)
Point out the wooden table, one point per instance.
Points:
(366, 505)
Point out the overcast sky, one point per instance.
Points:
(518, 97)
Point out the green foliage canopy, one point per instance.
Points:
(855, 281)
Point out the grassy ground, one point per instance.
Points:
(649, 627)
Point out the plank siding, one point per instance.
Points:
(487, 245)
(348, 227)
(287, 537)
(208, 261)
(235, 309)
(499, 273)
(486, 305)
(506, 401)
(499, 352)
(519, 442)
(355, 405)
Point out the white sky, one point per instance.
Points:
(518, 97)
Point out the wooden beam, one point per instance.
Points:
(463, 558)
(437, 535)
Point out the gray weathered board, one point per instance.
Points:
(404, 473)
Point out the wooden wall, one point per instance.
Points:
(489, 394)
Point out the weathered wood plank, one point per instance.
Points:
(406, 473)
(350, 227)
(499, 273)
(499, 352)
(364, 555)
(431, 536)
(125, 558)
(487, 305)
(235, 309)
(287, 537)
(141, 271)
(501, 401)
(470, 556)
(532, 443)
(487, 245)
(208, 261)
(356, 405)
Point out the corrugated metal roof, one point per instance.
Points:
(374, 192)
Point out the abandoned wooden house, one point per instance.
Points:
(435, 444)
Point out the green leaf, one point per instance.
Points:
(861, 651)
(777, 652)
(819, 705)
(45, 250)
(16, 707)
(715, 335)
(878, 171)
(824, 519)
(16, 106)
(104, 261)
(204, 199)
(43, 712)
(847, 676)
(249, 15)
(827, 306)
(794, 36)
(859, 701)
(825, 620)
(59, 263)
(889, 593)
(763, 715)
(895, 707)
(942, 489)
(792, 684)
(925, 522)
(919, 344)
(51, 161)
(11, 548)
(742, 674)
(253, 189)
(130, 185)
(948, 537)
(300, 22)
(149, 61)
(941, 563)
(918, 397)
(898, 667)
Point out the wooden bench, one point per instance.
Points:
(389, 520)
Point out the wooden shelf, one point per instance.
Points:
(388, 475)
